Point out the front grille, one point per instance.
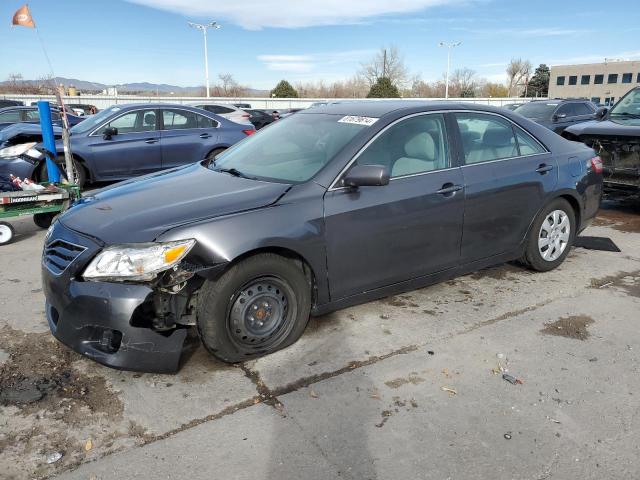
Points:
(58, 255)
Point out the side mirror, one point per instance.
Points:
(366, 176)
(558, 116)
(109, 132)
(601, 112)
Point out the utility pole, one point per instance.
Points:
(384, 63)
(449, 47)
(203, 28)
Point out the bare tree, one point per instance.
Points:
(463, 83)
(518, 72)
(386, 63)
(229, 87)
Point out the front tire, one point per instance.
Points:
(80, 171)
(551, 236)
(257, 307)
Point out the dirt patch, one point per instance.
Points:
(398, 382)
(402, 301)
(570, 327)
(508, 271)
(621, 216)
(38, 375)
(629, 282)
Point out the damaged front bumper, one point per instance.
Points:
(121, 325)
(621, 161)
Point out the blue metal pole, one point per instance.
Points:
(48, 140)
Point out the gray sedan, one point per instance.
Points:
(334, 206)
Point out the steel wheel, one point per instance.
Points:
(554, 235)
(6, 233)
(262, 312)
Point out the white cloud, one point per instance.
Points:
(524, 32)
(628, 55)
(309, 62)
(258, 14)
(290, 66)
(284, 58)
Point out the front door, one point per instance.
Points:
(378, 236)
(508, 177)
(134, 150)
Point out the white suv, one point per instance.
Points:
(227, 111)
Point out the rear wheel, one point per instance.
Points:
(551, 236)
(44, 220)
(257, 307)
(211, 156)
(6, 233)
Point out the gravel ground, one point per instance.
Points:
(407, 387)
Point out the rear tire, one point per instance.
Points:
(211, 156)
(257, 307)
(44, 220)
(551, 236)
(6, 233)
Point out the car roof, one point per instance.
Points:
(378, 108)
(561, 100)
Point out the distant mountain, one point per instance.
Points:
(137, 87)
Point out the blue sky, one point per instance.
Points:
(263, 41)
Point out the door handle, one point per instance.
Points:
(544, 168)
(449, 189)
(151, 140)
(205, 135)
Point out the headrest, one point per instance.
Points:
(150, 118)
(421, 146)
(497, 137)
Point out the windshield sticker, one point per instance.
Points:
(357, 120)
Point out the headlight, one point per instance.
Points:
(17, 150)
(141, 261)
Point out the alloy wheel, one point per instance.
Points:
(554, 236)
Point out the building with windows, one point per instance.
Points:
(602, 83)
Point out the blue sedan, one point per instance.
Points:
(125, 141)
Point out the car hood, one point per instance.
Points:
(606, 127)
(16, 129)
(141, 209)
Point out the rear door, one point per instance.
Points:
(377, 236)
(135, 150)
(187, 137)
(565, 115)
(508, 176)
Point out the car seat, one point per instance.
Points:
(421, 155)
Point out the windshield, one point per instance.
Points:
(94, 120)
(291, 150)
(537, 109)
(628, 106)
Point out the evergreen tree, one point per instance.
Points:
(539, 83)
(284, 90)
(383, 88)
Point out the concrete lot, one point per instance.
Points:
(406, 387)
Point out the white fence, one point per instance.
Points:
(104, 101)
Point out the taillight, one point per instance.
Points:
(248, 132)
(596, 164)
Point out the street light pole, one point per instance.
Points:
(203, 28)
(449, 47)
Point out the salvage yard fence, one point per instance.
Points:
(105, 101)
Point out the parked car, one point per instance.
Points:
(615, 135)
(330, 207)
(557, 115)
(260, 118)
(130, 140)
(18, 133)
(85, 108)
(10, 103)
(10, 115)
(227, 111)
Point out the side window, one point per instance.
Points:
(179, 119)
(133, 122)
(583, 109)
(33, 116)
(206, 122)
(12, 116)
(54, 115)
(567, 110)
(414, 145)
(486, 137)
(527, 144)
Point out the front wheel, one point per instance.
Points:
(257, 307)
(551, 236)
(79, 172)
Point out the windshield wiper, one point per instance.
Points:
(235, 172)
(625, 114)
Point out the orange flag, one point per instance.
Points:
(23, 17)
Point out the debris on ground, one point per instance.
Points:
(54, 457)
(553, 419)
(507, 436)
(88, 445)
(574, 326)
(500, 356)
(312, 393)
(511, 379)
(431, 352)
(450, 391)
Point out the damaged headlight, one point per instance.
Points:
(140, 262)
(22, 149)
